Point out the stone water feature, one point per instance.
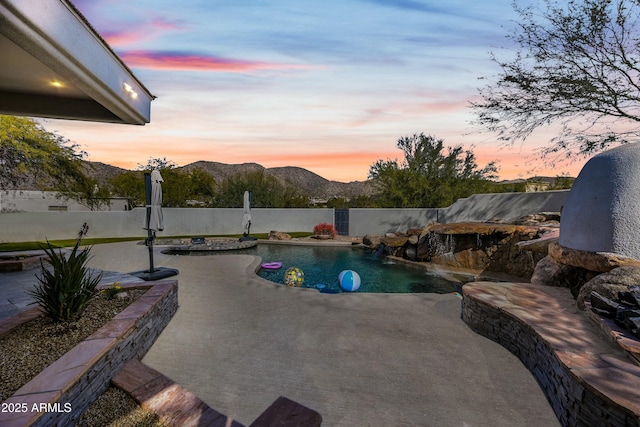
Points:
(476, 246)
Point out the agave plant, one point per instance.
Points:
(66, 284)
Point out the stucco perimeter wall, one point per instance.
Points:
(381, 221)
(483, 207)
(477, 208)
(36, 226)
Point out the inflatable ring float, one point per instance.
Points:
(271, 265)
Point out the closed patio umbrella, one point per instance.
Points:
(246, 217)
(153, 221)
(156, 220)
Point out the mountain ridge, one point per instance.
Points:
(304, 180)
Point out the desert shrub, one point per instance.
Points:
(112, 290)
(325, 229)
(65, 286)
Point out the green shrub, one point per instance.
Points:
(66, 287)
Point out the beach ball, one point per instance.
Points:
(349, 280)
(293, 277)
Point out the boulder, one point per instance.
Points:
(595, 261)
(548, 219)
(278, 235)
(540, 245)
(371, 240)
(609, 284)
(550, 272)
(394, 241)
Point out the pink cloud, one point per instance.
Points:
(139, 32)
(194, 62)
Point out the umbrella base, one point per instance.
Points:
(156, 274)
(247, 238)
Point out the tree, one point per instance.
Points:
(32, 156)
(577, 66)
(427, 177)
(130, 185)
(180, 187)
(267, 192)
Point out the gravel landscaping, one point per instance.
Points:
(31, 347)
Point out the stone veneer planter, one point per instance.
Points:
(586, 379)
(67, 387)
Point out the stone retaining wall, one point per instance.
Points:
(577, 397)
(534, 354)
(78, 378)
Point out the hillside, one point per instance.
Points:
(306, 181)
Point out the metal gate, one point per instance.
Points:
(341, 221)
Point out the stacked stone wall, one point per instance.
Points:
(84, 373)
(573, 401)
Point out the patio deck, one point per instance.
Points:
(238, 342)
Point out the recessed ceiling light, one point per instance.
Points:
(56, 83)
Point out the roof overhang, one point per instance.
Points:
(54, 64)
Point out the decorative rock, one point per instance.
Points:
(411, 253)
(428, 229)
(371, 240)
(603, 306)
(540, 245)
(602, 211)
(609, 284)
(549, 219)
(278, 235)
(550, 272)
(121, 295)
(594, 261)
(394, 241)
(414, 232)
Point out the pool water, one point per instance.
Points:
(321, 266)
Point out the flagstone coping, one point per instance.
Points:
(587, 379)
(63, 391)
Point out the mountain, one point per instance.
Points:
(306, 181)
(101, 172)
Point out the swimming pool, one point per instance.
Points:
(322, 264)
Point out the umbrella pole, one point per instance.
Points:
(152, 273)
(150, 232)
(150, 237)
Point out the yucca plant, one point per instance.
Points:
(65, 285)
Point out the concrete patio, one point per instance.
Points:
(238, 342)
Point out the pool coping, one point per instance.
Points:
(67, 387)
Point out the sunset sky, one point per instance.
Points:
(325, 85)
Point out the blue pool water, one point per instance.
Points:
(321, 266)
